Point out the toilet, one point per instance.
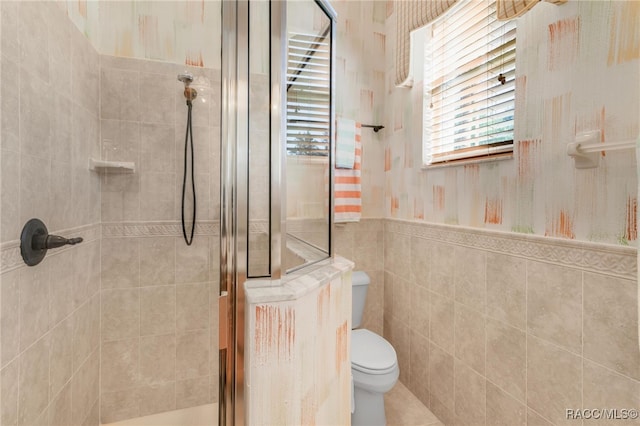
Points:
(374, 364)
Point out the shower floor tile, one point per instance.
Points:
(404, 409)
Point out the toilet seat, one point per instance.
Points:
(372, 354)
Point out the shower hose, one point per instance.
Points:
(188, 139)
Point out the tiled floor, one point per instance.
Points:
(404, 409)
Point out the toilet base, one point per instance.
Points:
(369, 408)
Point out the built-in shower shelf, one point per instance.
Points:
(104, 166)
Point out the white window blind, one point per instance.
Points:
(469, 84)
(308, 95)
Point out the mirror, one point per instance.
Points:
(308, 134)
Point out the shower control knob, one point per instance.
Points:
(35, 241)
(53, 241)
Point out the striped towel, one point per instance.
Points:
(345, 143)
(348, 187)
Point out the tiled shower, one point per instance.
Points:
(125, 324)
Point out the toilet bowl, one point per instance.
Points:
(374, 363)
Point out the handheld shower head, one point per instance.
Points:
(186, 78)
(189, 93)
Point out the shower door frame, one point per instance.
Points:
(234, 170)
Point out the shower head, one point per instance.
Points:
(186, 78)
(189, 93)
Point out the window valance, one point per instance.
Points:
(414, 14)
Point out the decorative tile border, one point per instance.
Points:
(11, 259)
(155, 229)
(618, 261)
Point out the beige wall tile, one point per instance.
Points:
(192, 306)
(157, 90)
(157, 148)
(157, 196)
(34, 50)
(86, 330)
(35, 178)
(62, 286)
(119, 405)
(401, 341)
(120, 197)
(59, 35)
(441, 376)
(502, 409)
(506, 358)
(120, 367)
(388, 294)
(93, 418)
(604, 388)
(120, 314)
(34, 303)
(9, 384)
(85, 388)
(554, 310)
(157, 398)
(10, 185)
(36, 104)
(33, 395)
(442, 269)
(10, 42)
(402, 252)
(108, 61)
(59, 413)
(534, 419)
(9, 316)
(61, 181)
(470, 277)
(366, 256)
(85, 84)
(442, 412)
(420, 309)
(120, 94)
(157, 359)
(157, 310)
(420, 261)
(402, 291)
(120, 141)
(374, 305)
(192, 262)
(506, 289)
(10, 123)
(61, 356)
(88, 270)
(193, 392)
(611, 323)
(397, 253)
(554, 380)
(157, 261)
(120, 262)
(441, 321)
(470, 399)
(470, 337)
(419, 365)
(192, 354)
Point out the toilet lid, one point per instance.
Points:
(371, 352)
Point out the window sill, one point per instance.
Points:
(467, 161)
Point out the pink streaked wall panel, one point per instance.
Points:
(299, 351)
(577, 70)
(361, 46)
(168, 31)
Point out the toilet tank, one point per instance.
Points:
(359, 284)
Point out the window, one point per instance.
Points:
(308, 94)
(469, 85)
